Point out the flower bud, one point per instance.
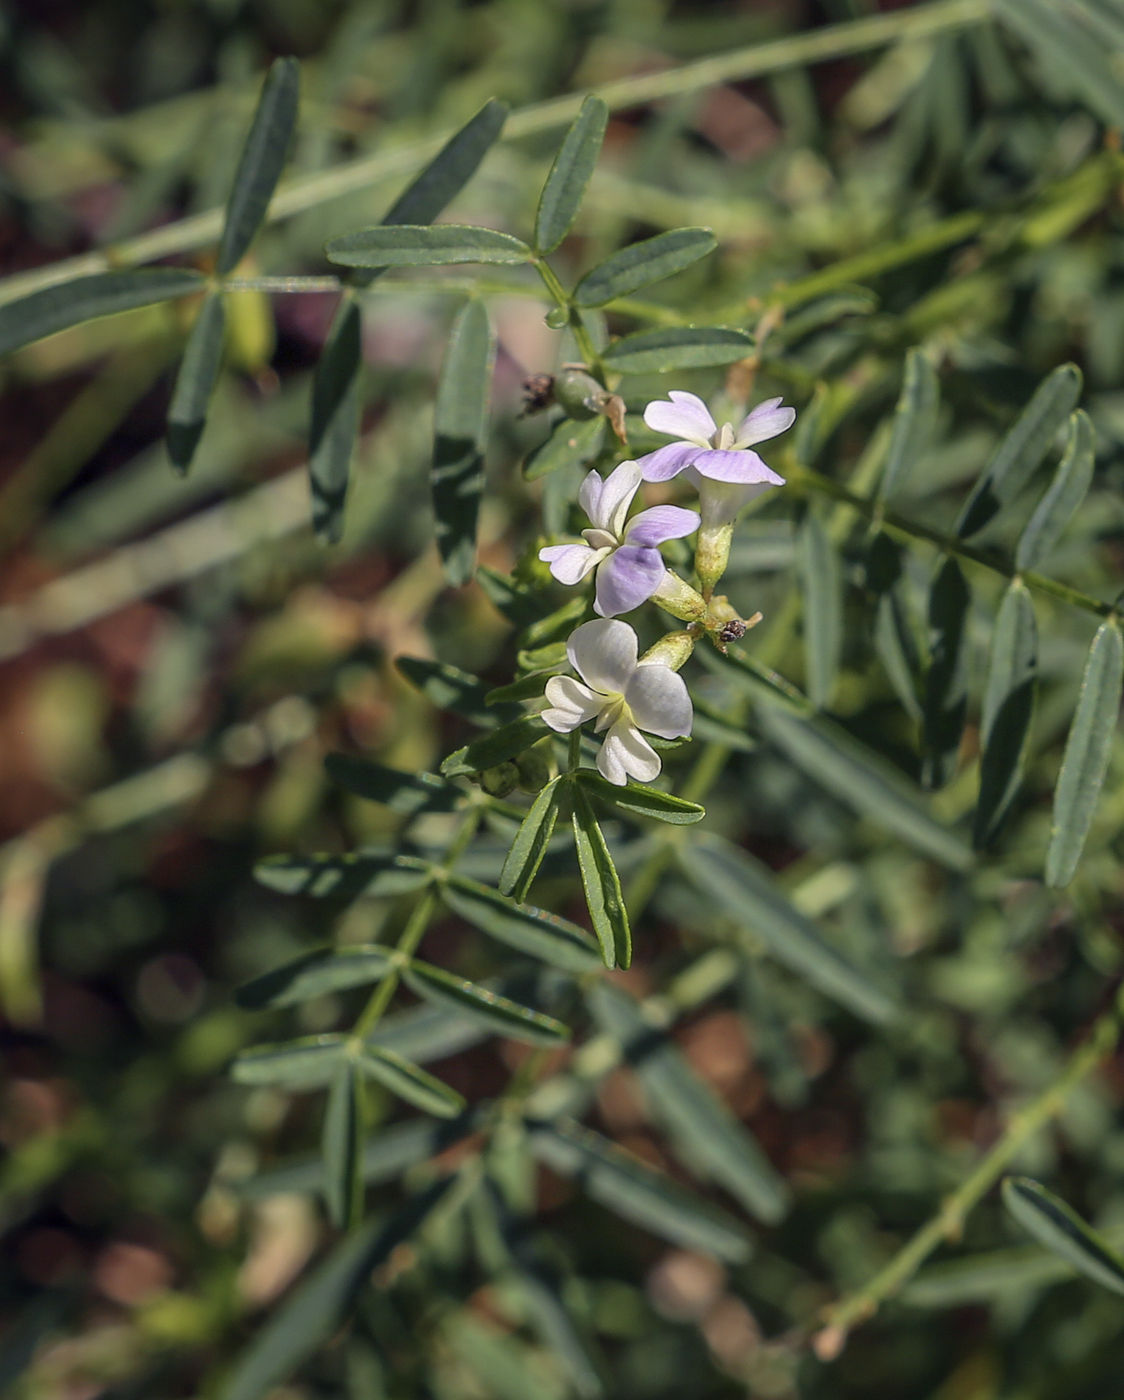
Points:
(672, 650)
(712, 553)
(679, 598)
(579, 393)
(535, 766)
(501, 780)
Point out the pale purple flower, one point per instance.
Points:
(623, 695)
(629, 566)
(719, 454)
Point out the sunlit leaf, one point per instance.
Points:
(641, 801)
(531, 841)
(570, 444)
(678, 347)
(1063, 498)
(425, 245)
(410, 1082)
(449, 688)
(346, 876)
(547, 936)
(261, 163)
(460, 436)
(570, 174)
(1057, 1225)
(341, 1145)
(601, 884)
(404, 793)
(495, 747)
(638, 264)
(1008, 706)
(499, 1014)
(316, 974)
(1087, 752)
(306, 1063)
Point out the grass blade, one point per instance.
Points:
(1087, 751)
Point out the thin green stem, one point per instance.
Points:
(575, 749)
(574, 318)
(948, 1223)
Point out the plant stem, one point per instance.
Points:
(309, 191)
(949, 1220)
(575, 750)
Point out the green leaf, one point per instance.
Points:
(307, 1063)
(915, 420)
(499, 1014)
(404, 793)
(202, 356)
(556, 627)
(678, 347)
(425, 245)
(601, 884)
(1056, 1225)
(894, 645)
(460, 436)
(637, 1192)
(1069, 51)
(569, 175)
(497, 1363)
(706, 1134)
(410, 1082)
(865, 781)
(1008, 706)
(449, 688)
(503, 743)
(317, 1307)
(261, 163)
(1087, 751)
(315, 974)
(1022, 451)
(444, 177)
(541, 1296)
(531, 841)
(642, 801)
(1064, 497)
(528, 687)
(571, 444)
(759, 680)
(946, 693)
(335, 420)
(518, 602)
(547, 936)
(650, 260)
(341, 1146)
(981, 1278)
(821, 584)
(58, 308)
(744, 890)
(345, 877)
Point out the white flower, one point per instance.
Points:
(629, 567)
(624, 695)
(718, 454)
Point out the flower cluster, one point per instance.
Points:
(625, 693)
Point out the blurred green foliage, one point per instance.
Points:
(853, 1004)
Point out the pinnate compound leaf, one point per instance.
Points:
(499, 1014)
(601, 883)
(425, 245)
(199, 368)
(706, 1134)
(501, 744)
(642, 801)
(636, 266)
(307, 1063)
(547, 936)
(678, 347)
(1057, 1225)
(746, 893)
(381, 873)
(261, 163)
(410, 1082)
(571, 444)
(340, 1146)
(1087, 751)
(1023, 449)
(1064, 496)
(335, 420)
(946, 696)
(570, 174)
(637, 1192)
(460, 436)
(866, 782)
(58, 308)
(915, 419)
(531, 840)
(821, 583)
(319, 1305)
(1008, 706)
(316, 974)
(404, 793)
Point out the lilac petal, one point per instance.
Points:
(660, 523)
(625, 753)
(617, 492)
(734, 465)
(628, 578)
(589, 495)
(658, 699)
(604, 654)
(569, 563)
(668, 461)
(686, 416)
(768, 420)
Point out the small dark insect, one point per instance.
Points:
(538, 393)
(732, 631)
